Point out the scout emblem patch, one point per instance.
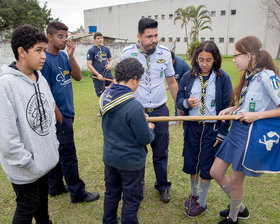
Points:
(134, 54)
(252, 107)
(213, 102)
(275, 82)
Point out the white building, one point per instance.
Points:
(231, 21)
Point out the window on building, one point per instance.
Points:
(231, 40)
(223, 12)
(156, 17)
(150, 17)
(213, 13)
(170, 39)
(233, 12)
(170, 16)
(162, 39)
(212, 39)
(162, 16)
(177, 39)
(202, 39)
(185, 39)
(221, 40)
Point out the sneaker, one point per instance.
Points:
(195, 210)
(165, 196)
(191, 201)
(90, 197)
(62, 191)
(98, 115)
(228, 220)
(241, 215)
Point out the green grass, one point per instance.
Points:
(261, 194)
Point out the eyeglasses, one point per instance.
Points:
(208, 61)
(236, 55)
(61, 36)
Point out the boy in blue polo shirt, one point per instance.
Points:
(126, 134)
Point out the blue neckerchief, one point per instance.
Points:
(113, 96)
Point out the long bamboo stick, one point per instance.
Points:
(95, 77)
(190, 118)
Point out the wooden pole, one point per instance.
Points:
(95, 77)
(191, 118)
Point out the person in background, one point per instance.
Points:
(151, 93)
(257, 97)
(180, 67)
(204, 90)
(28, 146)
(126, 134)
(58, 70)
(99, 62)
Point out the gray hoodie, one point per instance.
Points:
(28, 143)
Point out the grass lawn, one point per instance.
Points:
(262, 194)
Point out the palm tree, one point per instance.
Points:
(184, 16)
(200, 17)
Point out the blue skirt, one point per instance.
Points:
(233, 147)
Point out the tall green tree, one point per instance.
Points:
(184, 15)
(14, 13)
(201, 20)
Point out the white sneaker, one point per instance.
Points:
(98, 115)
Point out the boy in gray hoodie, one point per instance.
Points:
(28, 143)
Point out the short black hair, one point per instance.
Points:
(146, 23)
(54, 26)
(97, 34)
(210, 47)
(129, 68)
(26, 36)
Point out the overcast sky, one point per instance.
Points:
(71, 12)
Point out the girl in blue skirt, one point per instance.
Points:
(258, 98)
(204, 90)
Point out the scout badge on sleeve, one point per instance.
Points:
(262, 153)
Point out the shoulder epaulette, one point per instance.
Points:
(163, 48)
(129, 47)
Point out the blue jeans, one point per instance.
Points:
(68, 164)
(128, 183)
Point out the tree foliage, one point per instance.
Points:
(14, 13)
(201, 20)
(184, 15)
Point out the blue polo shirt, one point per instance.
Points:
(99, 58)
(180, 67)
(151, 92)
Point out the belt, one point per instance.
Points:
(150, 110)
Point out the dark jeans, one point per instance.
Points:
(160, 149)
(128, 183)
(68, 164)
(32, 201)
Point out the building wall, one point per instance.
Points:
(250, 19)
(7, 56)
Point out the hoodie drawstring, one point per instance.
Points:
(40, 105)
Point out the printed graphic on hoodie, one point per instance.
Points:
(38, 114)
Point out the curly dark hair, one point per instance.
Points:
(129, 68)
(146, 23)
(26, 36)
(210, 47)
(54, 26)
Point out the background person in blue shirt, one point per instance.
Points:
(180, 67)
(151, 93)
(126, 134)
(58, 70)
(204, 90)
(99, 62)
(257, 97)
